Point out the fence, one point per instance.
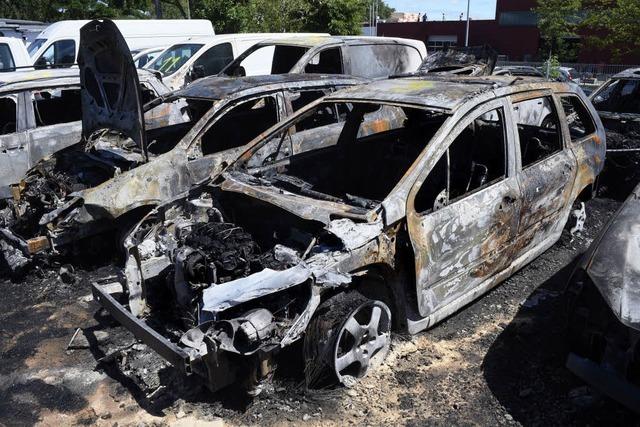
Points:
(598, 72)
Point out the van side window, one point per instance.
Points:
(8, 116)
(61, 53)
(329, 61)
(578, 118)
(240, 124)
(538, 125)
(475, 159)
(6, 59)
(215, 59)
(55, 106)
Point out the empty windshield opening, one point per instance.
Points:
(619, 96)
(266, 59)
(173, 58)
(358, 160)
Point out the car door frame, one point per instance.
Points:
(58, 136)
(428, 306)
(15, 144)
(202, 166)
(538, 234)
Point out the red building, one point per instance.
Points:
(513, 33)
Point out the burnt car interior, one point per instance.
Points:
(56, 106)
(538, 129)
(365, 165)
(621, 96)
(240, 125)
(7, 115)
(252, 62)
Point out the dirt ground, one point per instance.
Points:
(498, 361)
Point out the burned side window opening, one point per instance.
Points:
(8, 111)
(475, 160)
(578, 118)
(322, 117)
(265, 59)
(538, 129)
(619, 96)
(368, 153)
(55, 106)
(240, 125)
(329, 61)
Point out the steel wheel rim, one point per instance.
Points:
(363, 341)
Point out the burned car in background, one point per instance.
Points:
(604, 309)
(377, 227)
(40, 114)
(360, 56)
(618, 104)
(463, 60)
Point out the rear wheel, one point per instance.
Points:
(349, 335)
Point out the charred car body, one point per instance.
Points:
(618, 104)
(375, 227)
(604, 321)
(466, 61)
(104, 184)
(41, 115)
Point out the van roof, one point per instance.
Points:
(318, 40)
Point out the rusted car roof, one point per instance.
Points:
(443, 93)
(215, 87)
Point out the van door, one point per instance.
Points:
(212, 61)
(547, 169)
(61, 53)
(462, 216)
(14, 150)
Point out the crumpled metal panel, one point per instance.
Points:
(614, 262)
(110, 94)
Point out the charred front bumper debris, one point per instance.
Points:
(236, 283)
(604, 296)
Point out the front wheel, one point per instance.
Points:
(349, 335)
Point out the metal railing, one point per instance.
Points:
(593, 72)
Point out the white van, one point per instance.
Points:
(58, 43)
(207, 56)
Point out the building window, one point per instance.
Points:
(523, 18)
(441, 42)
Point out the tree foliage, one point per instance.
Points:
(614, 25)
(558, 22)
(227, 16)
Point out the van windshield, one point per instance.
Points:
(35, 45)
(173, 58)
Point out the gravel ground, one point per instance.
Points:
(498, 361)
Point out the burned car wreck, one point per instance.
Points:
(375, 228)
(115, 176)
(464, 61)
(618, 104)
(604, 311)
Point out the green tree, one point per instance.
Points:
(615, 24)
(338, 17)
(384, 10)
(558, 21)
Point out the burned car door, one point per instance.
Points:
(464, 216)
(57, 121)
(234, 126)
(547, 169)
(14, 151)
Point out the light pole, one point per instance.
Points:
(466, 39)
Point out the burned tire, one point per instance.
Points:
(349, 335)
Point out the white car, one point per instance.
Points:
(142, 57)
(13, 54)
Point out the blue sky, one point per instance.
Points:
(480, 9)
